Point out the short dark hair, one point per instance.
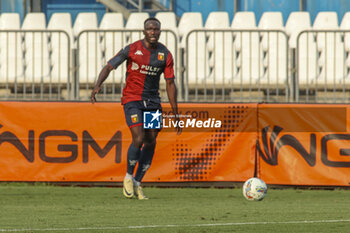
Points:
(149, 19)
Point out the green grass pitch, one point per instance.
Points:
(46, 208)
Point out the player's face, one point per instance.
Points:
(152, 32)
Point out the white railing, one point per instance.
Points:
(212, 66)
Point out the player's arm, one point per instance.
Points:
(101, 78)
(171, 87)
(118, 59)
(172, 96)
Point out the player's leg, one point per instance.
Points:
(134, 150)
(133, 116)
(147, 152)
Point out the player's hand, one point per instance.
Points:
(93, 94)
(178, 128)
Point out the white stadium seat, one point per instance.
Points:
(135, 22)
(296, 23)
(62, 21)
(244, 20)
(305, 45)
(168, 22)
(247, 49)
(274, 46)
(11, 60)
(217, 20)
(85, 21)
(169, 39)
(10, 21)
(112, 42)
(330, 50)
(36, 49)
(324, 21)
(112, 20)
(59, 45)
(167, 19)
(220, 48)
(188, 22)
(196, 53)
(89, 51)
(345, 25)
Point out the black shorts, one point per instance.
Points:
(134, 111)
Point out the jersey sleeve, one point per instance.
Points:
(119, 58)
(169, 67)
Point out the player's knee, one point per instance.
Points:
(138, 141)
(150, 141)
(150, 144)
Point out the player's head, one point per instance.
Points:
(150, 19)
(151, 30)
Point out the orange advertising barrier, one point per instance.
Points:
(83, 142)
(63, 141)
(304, 144)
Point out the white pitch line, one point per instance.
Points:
(173, 225)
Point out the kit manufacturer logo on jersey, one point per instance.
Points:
(161, 56)
(134, 66)
(138, 52)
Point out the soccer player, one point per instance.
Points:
(146, 60)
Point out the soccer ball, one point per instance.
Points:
(254, 189)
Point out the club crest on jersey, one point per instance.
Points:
(161, 56)
(134, 118)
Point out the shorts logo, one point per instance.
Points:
(161, 56)
(134, 118)
(152, 119)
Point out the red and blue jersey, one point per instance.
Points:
(144, 67)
